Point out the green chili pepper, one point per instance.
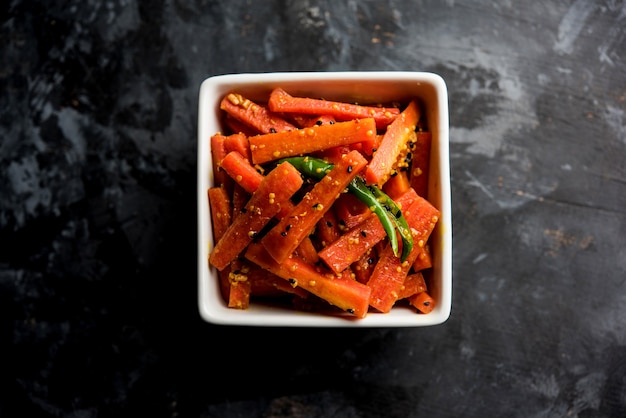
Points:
(400, 222)
(364, 193)
(383, 206)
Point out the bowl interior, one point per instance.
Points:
(359, 87)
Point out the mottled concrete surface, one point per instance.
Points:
(98, 113)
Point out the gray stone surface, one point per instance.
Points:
(97, 211)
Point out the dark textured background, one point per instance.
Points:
(98, 112)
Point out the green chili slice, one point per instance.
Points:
(400, 222)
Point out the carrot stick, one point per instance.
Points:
(267, 284)
(239, 286)
(307, 251)
(235, 126)
(413, 283)
(281, 101)
(397, 184)
(342, 292)
(370, 146)
(269, 147)
(334, 154)
(224, 283)
(275, 189)
(240, 169)
(387, 279)
(389, 274)
(424, 260)
(246, 176)
(420, 163)
(327, 229)
(285, 237)
(423, 302)
(306, 121)
(221, 218)
(218, 151)
(393, 143)
(422, 217)
(351, 211)
(253, 114)
(364, 266)
(353, 244)
(238, 142)
(239, 199)
(219, 205)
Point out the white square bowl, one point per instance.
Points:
(362, 87)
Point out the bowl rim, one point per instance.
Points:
(266, 315)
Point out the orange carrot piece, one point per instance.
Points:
(424, 259)
(387, 279)
(240, 169)
(351, 211)
(342, 292)
(219, 205)
(334, 154)
(420, 163)
(247, 176)
(413, 283)
(327, 229)
(393, 143)
(389, 274)
(423, 301)
(266, 284)
(352, 245)
(218, 151)
(269, 147)
(366, 147)
(307, 251)
(235, 126)
(364, 266)
(263, 283)
(306, 121)
(422, 217)
(281, 101)
(397, 184)
(238, 142)
(370, 146)
(239, 286)
(276, 188)
(224, 283)
(239, 199)
(221, 218)
(253, 114)
(314, 304)
(291, 230)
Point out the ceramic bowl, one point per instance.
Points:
(362, 87)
